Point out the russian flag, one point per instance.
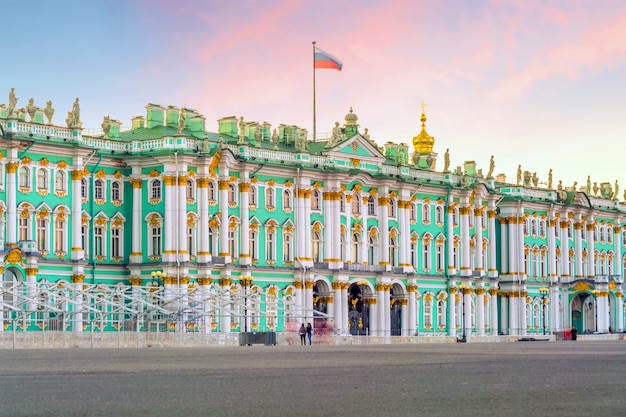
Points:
(323, 59)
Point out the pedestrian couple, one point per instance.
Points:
(305, 332)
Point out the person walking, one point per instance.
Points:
(309, 332)
(302, 333)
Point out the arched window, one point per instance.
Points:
(393, 252)
(98, 189)
(99, 248)
(232, 194)
(59, 180)
(315, 200)
(425, 213)
(270, 197)
(542, 227)
(116, 194)
(441, 313)
(211, 190)
(317, 249)
(371, 206)
(356, 246)
(287, 203)
(60, 234)
(24, 177)
(190, 190)
(428, 312)
(155, 189)
(533, 227)
(426, 261)
(287, 247)
(439, 214)
(42, 179)
(253, 244)
(270, 243)
(371, 251)
(253, 196)
(392, 207)
(356, 204)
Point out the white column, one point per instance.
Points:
(380, 299)
(364, 233)
(339, 307)
(223, 186)
(591, 249)
(344, 302)
(77, 308)
(181, 217)
(480, 311)
(554, 274)
(513, 313)
(493, 305)
(347, 255)
(329, 227)
(335, 205)
(383, 216)
(504, 247)
(478, 233)
(387, 311)
(300, 225)
(308, 300)
(565, 250)
(578, 244)
(11, 196)
(412, 290)
(466, 269)
(137, 240)
(308, 247)
(405, 329)
(620, 308)
(31, 292)
(513, 249)
(452, 292)
(504, 312)
(373, 309)
(403, 232)
(492, 269)
(170, 218)
(225, 313)
(78, 252)
(555, 316)
(203, 229)
(450, 241)
(617, 248)
(244, 231)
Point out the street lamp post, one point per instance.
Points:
(544, 292)
(595, 303)
(465, 289)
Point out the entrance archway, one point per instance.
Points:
(397, 300)
(359, 294)
(583, 313)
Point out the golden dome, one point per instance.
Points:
(423, 143)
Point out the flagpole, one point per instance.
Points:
(314, 130)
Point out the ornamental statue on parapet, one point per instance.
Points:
(12, 102)
(73, 116)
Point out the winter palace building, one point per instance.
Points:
(170, 227)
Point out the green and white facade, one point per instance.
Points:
(172, 227)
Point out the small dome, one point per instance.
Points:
(351, 118)
(423, 143)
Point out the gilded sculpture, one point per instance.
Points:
(492, 166)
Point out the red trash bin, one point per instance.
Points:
(567, 335)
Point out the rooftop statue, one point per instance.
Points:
(595, 188)
(550, 179)
(492, 166)
(73, 116)
(242, 131)
(535, 179)
(258, 136)
(106, 126)
(519, 174)
(588, 187)
(12, 102)
(616, 192)
(336, 137)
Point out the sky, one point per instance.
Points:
(541, 84)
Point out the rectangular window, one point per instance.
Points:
(98, 241)
(116, 243)
(156, 241)
(24, 225)
(42, 226)
(59, 236)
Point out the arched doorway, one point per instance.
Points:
(321, 297)
(583, 313)
(359, 294)
(397, 300)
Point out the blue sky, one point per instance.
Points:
(537, 83)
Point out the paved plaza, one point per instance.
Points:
(488, 379)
